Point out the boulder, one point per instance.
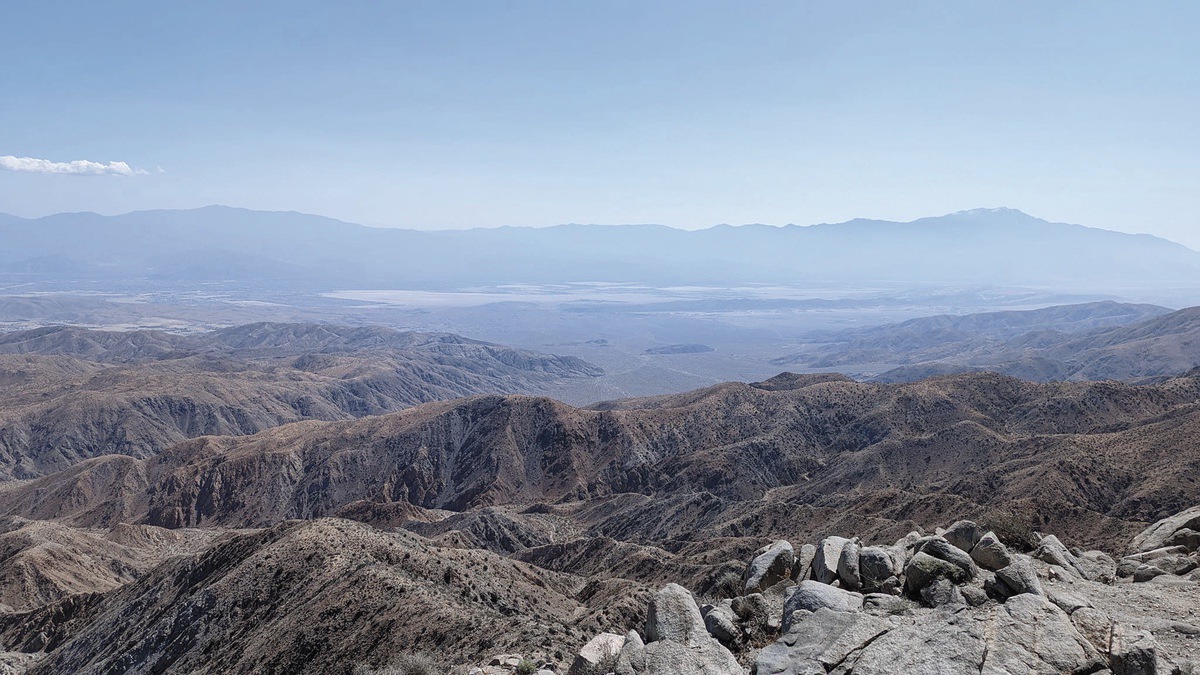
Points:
(1026, 635)
(1185, 537)
(942, 593)
(803, 567)
(1052, 552)
(818, 642)
(937, 642)
(812, 595)
(847, 569)
(990, 553)
(721, 623)
(1020, 577)
(771, 564)
(941, 549)
(963, 534)
(1146, 573)
(1156, 535)
(668, 657)
(1066, 600)
(924, 569)
(1176, 564)
(884, 603)
(1133, 653)
(673, 615)
(598, 656)
(1126, 567)
(1096, 566)
(1155, 554)
(1094, 625)
(973, 595)
(1029, 634)
(677, 640)
(632, 659)
(875, 566)
(825, 560)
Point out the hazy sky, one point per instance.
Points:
(455, 114)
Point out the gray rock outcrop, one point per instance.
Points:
(990, 553)
(771, 564)
(812, 595)
(826, 558)
(1157, 535)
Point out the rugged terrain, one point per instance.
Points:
(68, 394)
(959, 600)
(1094, 461)
(1090, 341)
(499, 524)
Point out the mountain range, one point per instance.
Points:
(321, 497)
(503, 523)
(982, 246)
(69, 394)
(1088, 341)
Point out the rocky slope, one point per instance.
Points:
(71, 394)
(733, 460)
(956, 601)
(43, 562)
(492, 525)
(331, 595)
(321, 596)
(1091, 341)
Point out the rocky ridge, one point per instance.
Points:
(69, 394)
(959, 600)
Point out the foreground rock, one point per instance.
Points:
(1170, 547)
(1159, 534)
(772, 563)
(676, 641)
(982, 609)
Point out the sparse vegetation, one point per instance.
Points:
(527, 667)
(608, 663)
(721, 583)
(416, 663)
(1011, 530)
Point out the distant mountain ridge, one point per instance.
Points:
(991, 246)
(68, 394)
(682, 466)
(1089, 341)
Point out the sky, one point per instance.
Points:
(688, 114)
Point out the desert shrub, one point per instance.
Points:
(416, 663)
(608, 664)
(527, 667)
(1016, 533)
(724, 581)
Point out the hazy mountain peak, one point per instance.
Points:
(1000, 210)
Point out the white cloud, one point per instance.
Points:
(79, 166)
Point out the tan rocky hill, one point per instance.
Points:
(1089, 341)
(322, 596)
(733, 460)
(71, 394)
(495, 525)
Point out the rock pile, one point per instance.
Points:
(1170, 546)
(513, 664)
(956, 601)
(677, 641)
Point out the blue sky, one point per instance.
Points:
(461, 114)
